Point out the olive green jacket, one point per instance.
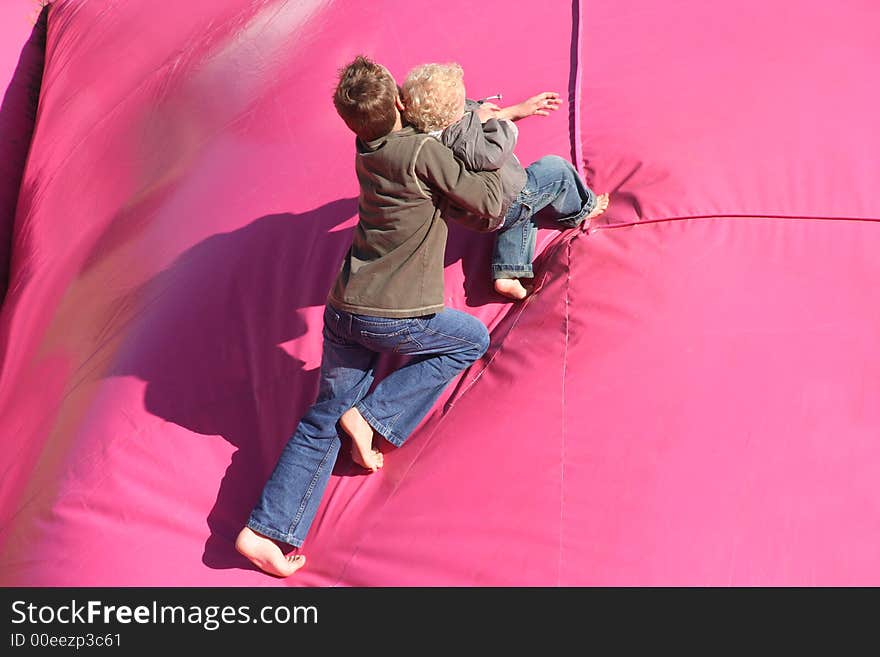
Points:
(394, 267)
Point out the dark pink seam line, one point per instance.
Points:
(729, 216)
(577, 149)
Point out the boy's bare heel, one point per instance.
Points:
(265, 554)
(361, 434)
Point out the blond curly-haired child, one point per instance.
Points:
(483, 136)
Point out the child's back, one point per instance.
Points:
(487, 146)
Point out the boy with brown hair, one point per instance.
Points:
(388, 297)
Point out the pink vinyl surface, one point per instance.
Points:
(22, 45)
(688, 398)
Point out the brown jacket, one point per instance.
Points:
(394, 267)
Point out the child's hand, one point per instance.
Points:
(487, 111)
(540, 105)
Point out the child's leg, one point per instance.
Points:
(292, 494)
(556, 190)
(443, 345)
(514, 250)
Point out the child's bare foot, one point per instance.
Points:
(601, 205)
(266, 555)
(362, 452)
(511, 288)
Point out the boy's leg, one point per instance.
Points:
(442, 346)
(292, 494)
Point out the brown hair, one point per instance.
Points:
(365, 98)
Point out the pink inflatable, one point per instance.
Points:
(689, 398)
(22, 53)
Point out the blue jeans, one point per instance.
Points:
(441, 346)
(553, 190)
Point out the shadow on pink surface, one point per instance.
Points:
(200, 350)
(18, 114)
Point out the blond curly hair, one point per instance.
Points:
(433, 95)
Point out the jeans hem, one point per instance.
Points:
(386, 432)
(512, 271)
(274, 533)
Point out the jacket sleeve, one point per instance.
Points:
(478, 194)
(481, 146)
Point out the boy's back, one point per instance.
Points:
(395, 265)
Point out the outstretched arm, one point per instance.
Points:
(540, 105)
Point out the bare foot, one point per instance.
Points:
(362, 452)
(266, 555)
(511, 288)
(601, 205)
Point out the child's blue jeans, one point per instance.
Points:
(441, 346)
(554, 191)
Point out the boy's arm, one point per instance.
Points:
(478, 193)
(481, 146)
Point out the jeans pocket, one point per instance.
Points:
(382, 322)
(378, 334)
(392, 340)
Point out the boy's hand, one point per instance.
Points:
(540, 105)
(487, 111)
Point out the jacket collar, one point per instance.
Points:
(376, 144)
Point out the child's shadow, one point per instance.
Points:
(208, 346)
(474, 250)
